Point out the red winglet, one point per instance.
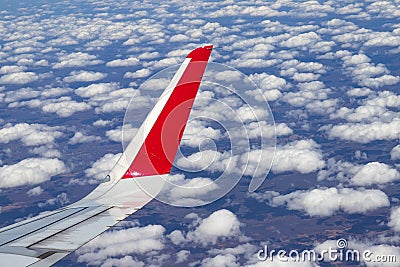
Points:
(158, 151)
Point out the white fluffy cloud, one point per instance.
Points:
(359, 92)
(65, 108)
(19, 78)
(261, 128)
(122, 134)
(96, 89)
(135, 240)
(328, 201)
(84, 76)
(219, 225)
(20, 94)
(374, 108)
(46, 151)
(30, 171)
(270, 85)
(303, 39)
(365, 133)
(187, 192)
(138, 74)
(197, 131)
(80, 137)
(375, 173)
(123, 62)
(303, 156)
(109, 97)
(127, 261)
(36, 191)
(365, 73)
(206, 159)
(11, 69)
(221, 261)
(395, 153)
(77, 59)
(30, 134)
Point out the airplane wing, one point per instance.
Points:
(134, 181)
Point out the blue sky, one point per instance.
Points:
(330, 73)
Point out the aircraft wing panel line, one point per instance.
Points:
(23, 230)
(30, 220)
(56, 228)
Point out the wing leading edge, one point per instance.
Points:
(136, 178)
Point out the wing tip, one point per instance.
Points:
(201, 53)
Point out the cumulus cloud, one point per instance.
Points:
(36, 191)
(328, 201)
(187, 192)
(80, 137)
(77, 59)
(132, 61)
(84, 76)
(135, 240)
(303, 39)
(54, 92)
(375, 173)
(262, 129)
(197, 131)
(220, 260)
(178, 38)
(302, 156)
(365, 133)
(65, 107)
(47, 151)
(122, 134)
(96, 89)
(365, 73)
(182, 256)
(118, 100)
(127, 261)
(221, 224)
(313, 96)
(102, 123)
(206, 159)
(30, 171)
(11, 69)
(138, 74)
(395, 153)
(155, 84)
(21, 94)
(109, 97)
(19, 78)
(30, 134)
(270, 85)
(374, 108)
(359, 92)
